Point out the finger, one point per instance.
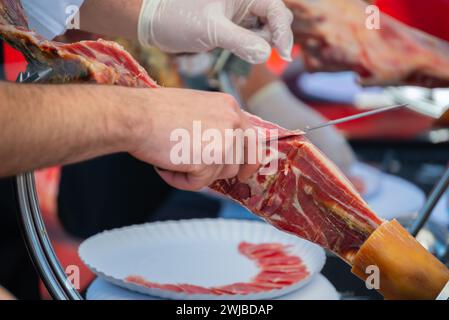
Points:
(280, 20)
(190, 181)
(251, 159)
(179, 180)
(265, 34)
(242, 42)
(174, 179)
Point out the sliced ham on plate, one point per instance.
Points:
(278, 269)
(339, 35)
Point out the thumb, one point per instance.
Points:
(242, 42)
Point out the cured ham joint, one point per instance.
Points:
(334, 36)
(307, 196)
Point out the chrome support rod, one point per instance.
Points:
(59, 271)
(435, 196)
(34, 246)
(38, 243)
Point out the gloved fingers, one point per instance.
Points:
(242, 42)
(248, 22)
(279, 19)
(265, 34)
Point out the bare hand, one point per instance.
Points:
(162, 111)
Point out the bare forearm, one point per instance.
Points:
(111, 17)
(44, 125)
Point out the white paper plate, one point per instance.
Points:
(200, 252)
(337, 87)
(440, 214)
(397, 198)
(389, 196)
(319, 288)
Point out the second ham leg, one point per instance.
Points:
(335, 36)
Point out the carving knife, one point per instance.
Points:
(354, 117)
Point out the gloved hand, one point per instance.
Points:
(202, 25)
(275, 103)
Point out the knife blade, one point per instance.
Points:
(353, 117)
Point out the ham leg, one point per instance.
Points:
(335, 37)
(307, 196)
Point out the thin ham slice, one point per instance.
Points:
(278, 269)
(334, 36)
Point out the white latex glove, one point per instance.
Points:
(277, 104)
(202, 25)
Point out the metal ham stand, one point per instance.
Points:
(36, 236)
(33, 227)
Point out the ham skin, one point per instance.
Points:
(407, 271)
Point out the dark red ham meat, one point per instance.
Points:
(307, 196)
